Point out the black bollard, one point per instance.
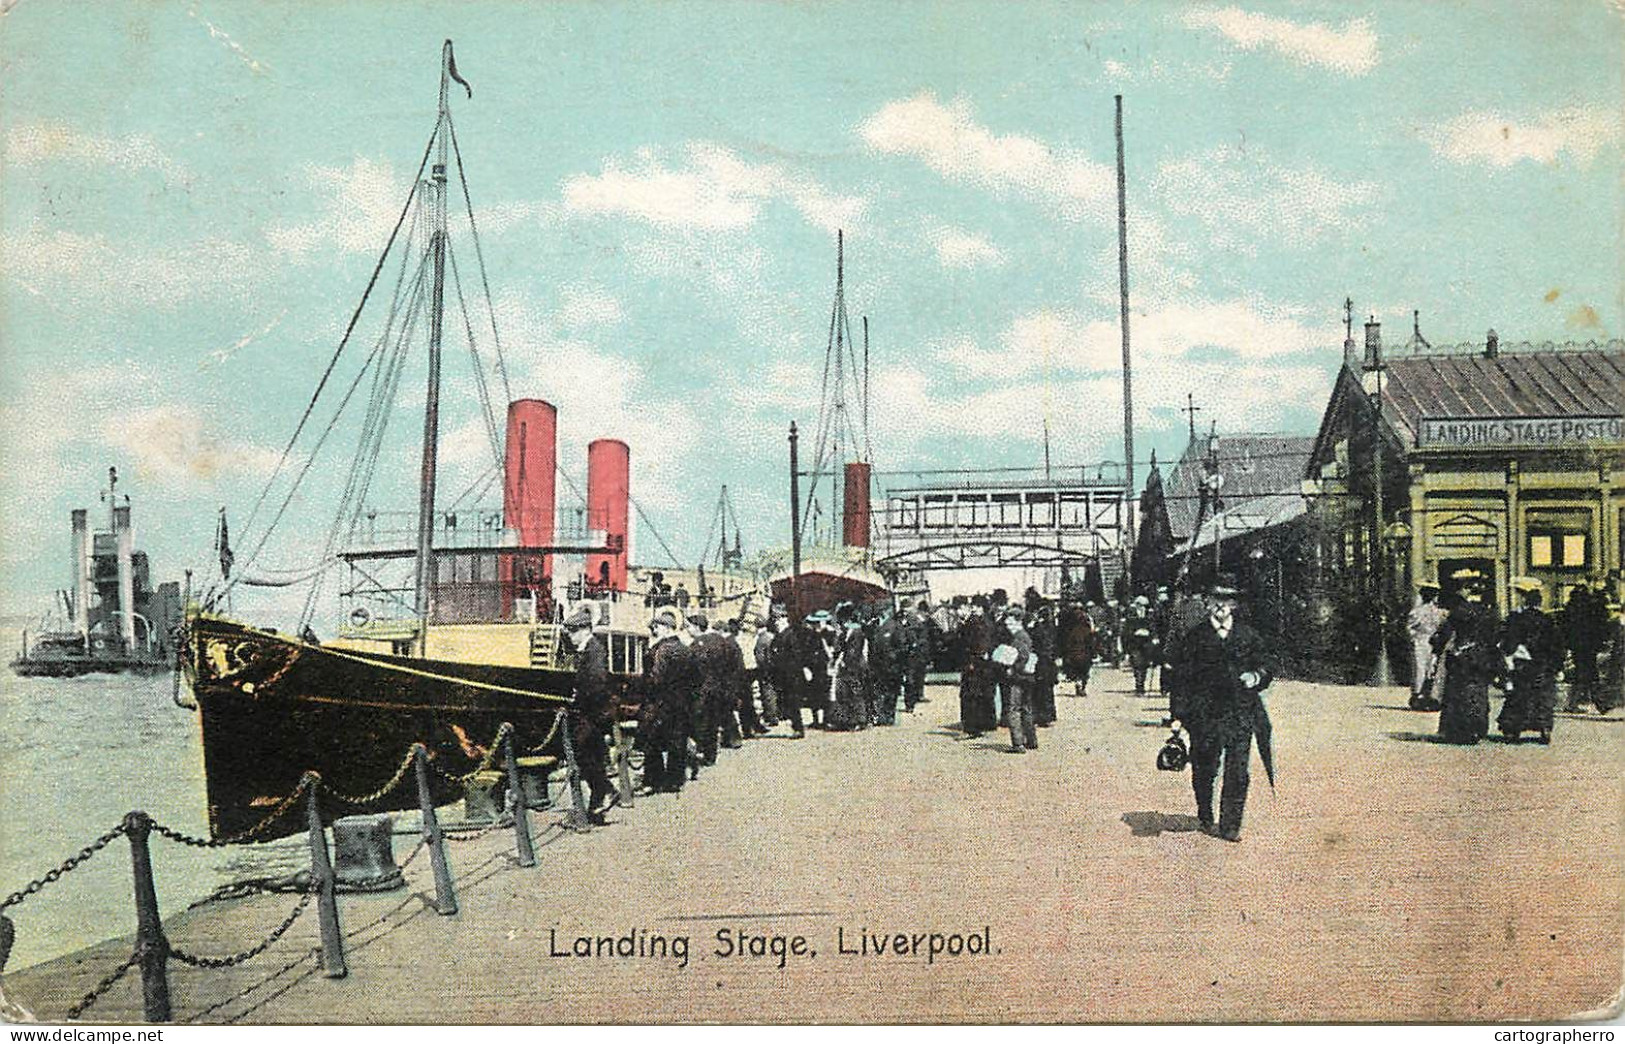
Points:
(516, 801)
(321, 878)
(445, 900)
(576, 818)
(151, 945)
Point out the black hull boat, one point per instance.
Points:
(274, 708)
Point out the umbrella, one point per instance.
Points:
(1261, 728)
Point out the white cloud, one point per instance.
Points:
(957, 248)
(1065, 342)
(172, 443)
(92, 273)
(1501, 141)
(215, 32)
(948, 139)
(589, 306)
(711, 189)
(599, 394)
(361, 204)
(1245, 201)
(45, 141)
(1350, 50)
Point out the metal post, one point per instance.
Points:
(445, 900)
(151, 945)
(623, 762)
(576, 818)
(516, 800)
(1122, 287)
(1381, 674)
(795, 530)
(321, 876)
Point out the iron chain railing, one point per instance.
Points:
(67, 865)
(253, 951)
(102, 987)
(153, 950)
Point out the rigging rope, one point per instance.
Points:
(479, 368)
(656, 534)
(479, 255)
(355, 317)
(483, 481)
(363, 466)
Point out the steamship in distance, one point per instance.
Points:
(451, 627)
(115, 621)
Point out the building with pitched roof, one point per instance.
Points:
(1439, 463)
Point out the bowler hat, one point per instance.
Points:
(667, 616)
(699, 620)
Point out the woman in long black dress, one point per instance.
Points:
(1534, 654)
(1469, 642)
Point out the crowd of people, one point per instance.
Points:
(1461, 650)
(709, 684)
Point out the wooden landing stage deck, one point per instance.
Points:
(1387, 879)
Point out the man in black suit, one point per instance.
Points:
(1223, 670)
(590, 720)
(669, 684)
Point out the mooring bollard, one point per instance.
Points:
(623, 761)
(576, 818)
(321, 878)
(151, 945)
(516, 802)
(445, 900)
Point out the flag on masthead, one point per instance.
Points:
(451, 69)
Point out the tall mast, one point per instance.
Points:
(436, 202)
(1122, 290)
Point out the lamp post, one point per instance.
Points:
(1381, 672)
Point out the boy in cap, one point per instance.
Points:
(1016, 664)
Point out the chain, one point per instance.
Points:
(249, 835)
(485, 763)
(394, 781)
(558, 719)
(33, 887)
(467, 834)
(313, 952)
(248, 954)
(102, 987)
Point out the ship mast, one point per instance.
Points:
(436, 204)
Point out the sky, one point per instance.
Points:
(194, 196)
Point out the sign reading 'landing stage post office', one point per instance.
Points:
(1521, 432)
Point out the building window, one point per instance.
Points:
(1074, 510)
(1551, 549)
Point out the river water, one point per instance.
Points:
(76, 754)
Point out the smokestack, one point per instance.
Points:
(1373, 344)
(1492, 345)
(126, 575)
(609, 492)
(855, 505)
(528, 487)
(81, 571)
